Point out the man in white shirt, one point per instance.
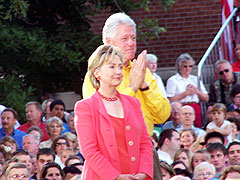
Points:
(187, 118)
(169, 143)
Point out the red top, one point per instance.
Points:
(42, 126)
(236, 66)
(119, 131)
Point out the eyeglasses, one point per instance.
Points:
(202, 143)
(61, 144)
(17, 176)
(204, 174)
(185, 66)
(224, 71)
(187, 113)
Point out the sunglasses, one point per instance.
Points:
(224, 71)
(61, 144)
(185, 66)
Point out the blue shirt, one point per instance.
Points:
(17, 135)
(170, 125)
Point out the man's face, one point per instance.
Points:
(33, 114)
(174, 143)
(125, 40)
(176, 111)
(218, 160)
(44, 159)
(29, 144)
(18, 172)
(187, 116)
(8, 120)
(58, 110)
(234, 154)
(225, 73)
(26, 159)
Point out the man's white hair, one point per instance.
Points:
(111, 24)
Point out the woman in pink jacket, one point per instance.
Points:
(112, 134)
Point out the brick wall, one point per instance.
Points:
(191, 26)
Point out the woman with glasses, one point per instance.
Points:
(183, 87)
(54, 128)
(204, 171)
(110, 126)
(59, 145)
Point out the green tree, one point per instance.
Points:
(47, 43)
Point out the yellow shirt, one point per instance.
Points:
(155, 107)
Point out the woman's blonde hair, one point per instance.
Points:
(102, 55)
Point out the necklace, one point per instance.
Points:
(110, 98)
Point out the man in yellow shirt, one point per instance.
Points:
(120, 31)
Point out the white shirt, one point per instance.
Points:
(164, 156)
(177, 85)
(212, 125)
(160, 84)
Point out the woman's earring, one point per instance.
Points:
(99, 78)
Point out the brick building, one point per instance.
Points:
(191, 26)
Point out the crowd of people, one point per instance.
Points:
(110, 133)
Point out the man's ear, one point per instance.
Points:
(166, 141)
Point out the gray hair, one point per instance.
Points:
(33, 136)
(184, 58)
(36, 104)
(35, 128)
(54, 119)
(111, 24)
(202, 166)
(151, 57)
(71, 114)
(16, 166)
(221, 62)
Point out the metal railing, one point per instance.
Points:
(215, 52)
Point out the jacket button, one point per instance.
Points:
(128, 127)
(130, 143)
(133, 158)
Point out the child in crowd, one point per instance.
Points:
(187, 138)
(219, 124)
(233, 110)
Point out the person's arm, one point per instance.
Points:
(226, 131)
(171, 91)
(88, 142)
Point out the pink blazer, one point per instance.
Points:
(98, 144)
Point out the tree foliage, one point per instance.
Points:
(47, 43)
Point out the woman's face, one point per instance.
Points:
(185, 68)
(186, 139)
(183, 157)
(60, 146)
(165, 174)
(53, 173)
(198, 158)
(205, 174)
(111, 74)
(54, 129)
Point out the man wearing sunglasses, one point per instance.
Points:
(220, 89)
